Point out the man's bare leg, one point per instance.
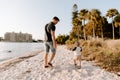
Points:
(46, 59)
(52, 57)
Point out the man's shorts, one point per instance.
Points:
(49, 46)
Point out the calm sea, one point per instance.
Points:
(10, 50)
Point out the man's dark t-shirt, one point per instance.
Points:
(48, 28)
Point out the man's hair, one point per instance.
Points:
(56, 18)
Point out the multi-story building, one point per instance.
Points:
(18, 37)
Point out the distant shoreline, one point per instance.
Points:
(9, 50)
(19, 42)
(8, 62)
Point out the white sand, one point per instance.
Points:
(32, 69)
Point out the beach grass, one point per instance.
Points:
(106, 54)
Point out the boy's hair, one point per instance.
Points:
(77, 43)
(56, 18)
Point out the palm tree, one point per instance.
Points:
(117, 22)
(103, 21)
(77, 27)
(94, 16)
(75, 11)
(83, 14)
(88, 28)
(76, 30)
(111, 13)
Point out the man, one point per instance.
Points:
(50, 42)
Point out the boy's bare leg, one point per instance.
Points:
(75, 61)
(79, 59)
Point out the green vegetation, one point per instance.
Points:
(61, 39)
(1, 39)
(90, 23)
(111, 13)
(107, 58)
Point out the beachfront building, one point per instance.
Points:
(17, 37)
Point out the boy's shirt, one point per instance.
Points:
(77, 51)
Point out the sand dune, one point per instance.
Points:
(32, 69)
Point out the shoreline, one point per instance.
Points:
(18, 59)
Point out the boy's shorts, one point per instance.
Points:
(48, 46)
(77, 57)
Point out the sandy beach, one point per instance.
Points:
(31, 67)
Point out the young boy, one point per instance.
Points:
(77, 55)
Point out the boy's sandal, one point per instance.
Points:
(75, 64)
(50, 64)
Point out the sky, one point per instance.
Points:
(30, 16)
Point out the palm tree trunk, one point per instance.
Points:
(84, 29)
(113, 29)
(84, 34)
(119, 31)
(78, 33)
(102, 32)
(93, 30)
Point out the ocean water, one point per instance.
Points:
(10, 50)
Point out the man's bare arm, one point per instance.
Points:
(53, 39)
